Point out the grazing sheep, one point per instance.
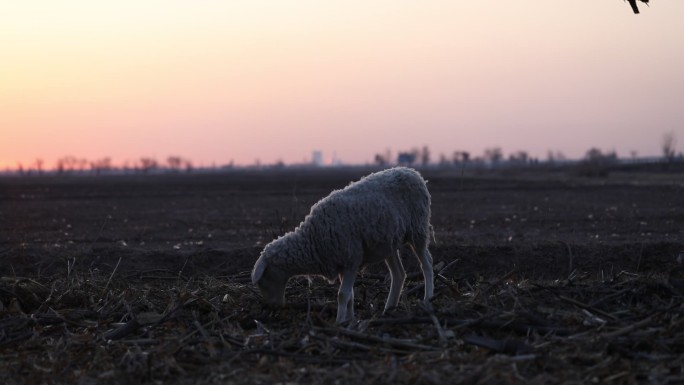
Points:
(368, 221)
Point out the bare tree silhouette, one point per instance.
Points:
(100, 165)
(39, 165)
(380, 160)
(70, 163)
(443, 160)
(188, 165)
(460, 157)
(596, 163)
(174, 162)
(493, 155)
(148, 164)
(519, 158)
(425, 156)
(669, 143)
(555, 156)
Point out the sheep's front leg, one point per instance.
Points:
(398, 276)
(345, 296)
(350, 305)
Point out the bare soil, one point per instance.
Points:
(542, 278)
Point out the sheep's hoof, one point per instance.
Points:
(427, 306)
(344, 324)
(389, 311)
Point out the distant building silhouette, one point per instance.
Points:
(317, 158)
(406, 158)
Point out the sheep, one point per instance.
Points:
(367, 222)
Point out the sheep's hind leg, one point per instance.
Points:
(345, 296)
(398, 276)
(425, 259)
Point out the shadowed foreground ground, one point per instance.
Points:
(542, 279)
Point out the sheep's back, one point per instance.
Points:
(370, 217)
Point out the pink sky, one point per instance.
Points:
(220, 81)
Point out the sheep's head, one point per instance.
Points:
(271, 282)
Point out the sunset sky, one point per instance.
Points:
(220, 81)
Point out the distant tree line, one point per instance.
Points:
(594, 161)
(71, 164)
(422, 157)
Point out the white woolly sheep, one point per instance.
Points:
(367, 222)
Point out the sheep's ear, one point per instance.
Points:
(258, 271)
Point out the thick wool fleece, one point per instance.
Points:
(358, 225)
